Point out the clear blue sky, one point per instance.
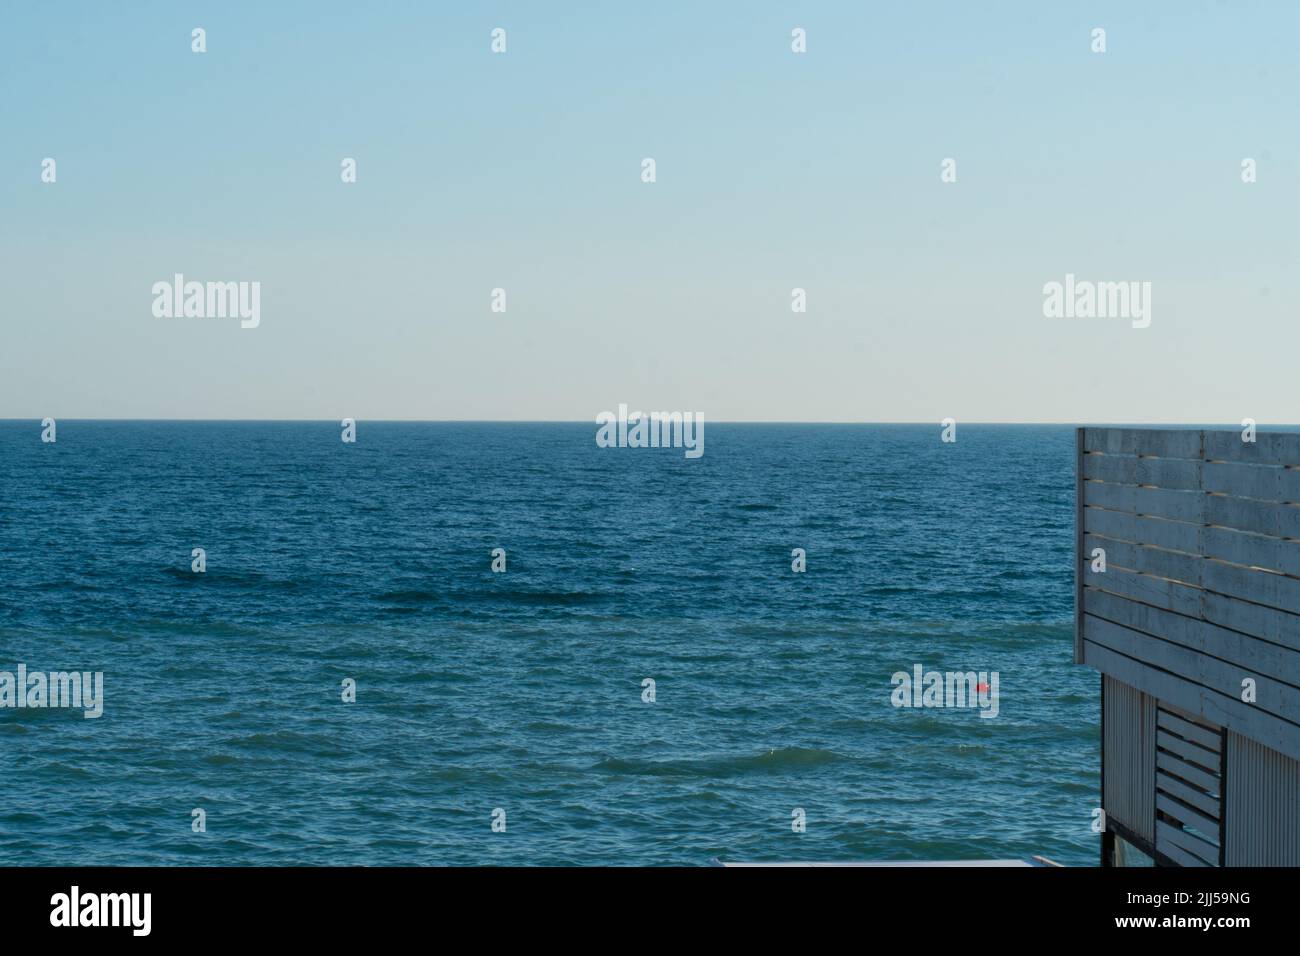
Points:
(775, 170)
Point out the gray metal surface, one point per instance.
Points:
(1262, 822)
(1128, 728)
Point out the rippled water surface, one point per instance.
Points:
(523, 690)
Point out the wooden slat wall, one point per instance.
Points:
(1188, 789)
(1202, 587)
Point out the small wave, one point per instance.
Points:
(547, 727)
(563, 598)
(515, 597)
(407, 597)
(230, 579)
(772, 761)
(283, 741)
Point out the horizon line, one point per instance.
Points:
(565, 421)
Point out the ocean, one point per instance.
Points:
(519, 696)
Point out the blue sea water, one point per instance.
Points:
(523, 690)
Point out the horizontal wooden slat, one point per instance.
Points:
(1231, 712)
(1175, 565)
(1188, 751)
(1171, 473)
(1201, 852)
(1249, 584)
(1174, 535)
(1235, 478)
(1167, 763)
(1251, 550)
(1268, 482)
(1268, 448)
(1181, 857)
(1272, 518)
(1170, 595)
(1227, 544)
(1206, 803)
(1189, 817)
(1160, 502)
(1247, 652)
(1270, 624)
(1245, 514)
(1209, 739)
(1282, 700)
(1168, 708)
(1159, 442)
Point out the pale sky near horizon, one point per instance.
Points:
(775, 170)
